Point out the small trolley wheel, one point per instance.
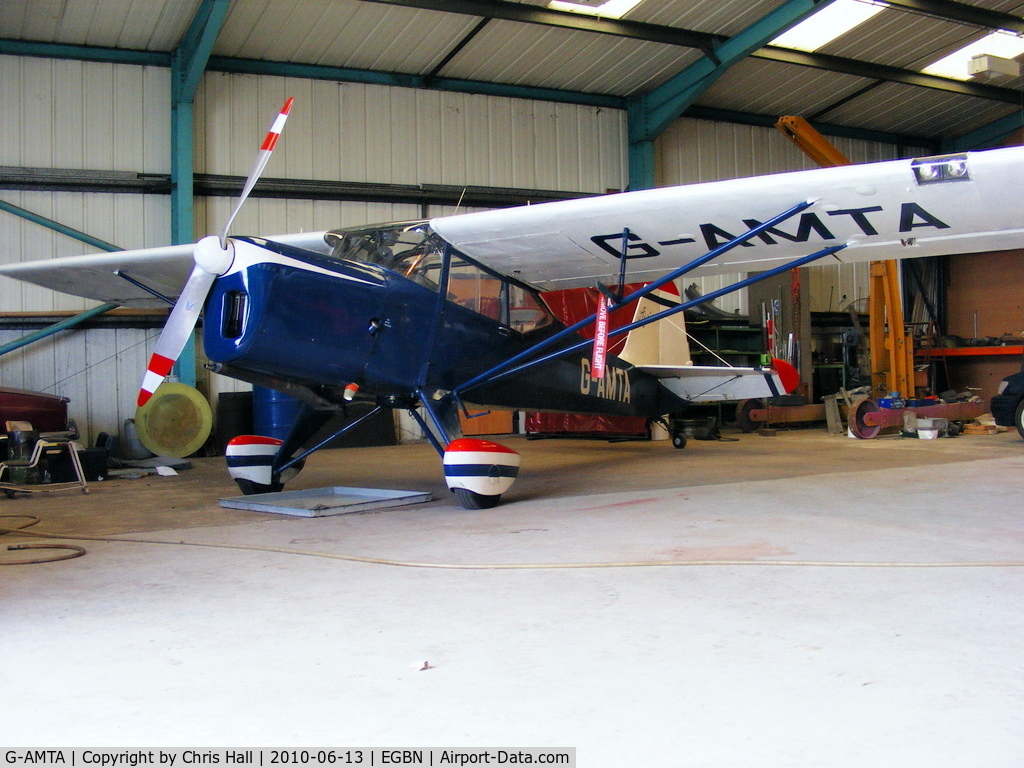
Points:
(856, 420)
(678, 440)
(1018, 418)
(743, 420)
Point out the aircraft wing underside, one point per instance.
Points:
(164, 270)
(895, 209)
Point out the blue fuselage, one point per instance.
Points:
(325, 322)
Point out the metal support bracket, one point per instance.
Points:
(426, 431)
(143, 287)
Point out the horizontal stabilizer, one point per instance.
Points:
(716, 383)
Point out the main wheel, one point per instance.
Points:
(250, 488)
(678, 440)
(1018, 417)
(472, 500)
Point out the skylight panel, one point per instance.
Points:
(1005, 45)
(609, 9)
(826, 25)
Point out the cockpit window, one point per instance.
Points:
(526, 312)
(411, 250)
(378, 245)
(471, 287)
(408, 249)
(497, 298)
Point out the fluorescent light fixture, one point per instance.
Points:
(1005, 45)
(609, 9)
(835, 19)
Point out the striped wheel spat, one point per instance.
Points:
(250, 456)
(480, 466)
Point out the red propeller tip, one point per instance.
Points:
(156, 372)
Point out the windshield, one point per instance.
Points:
(408, 249)
(411, 250)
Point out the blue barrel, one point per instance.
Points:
(273, 412)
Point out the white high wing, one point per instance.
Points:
(965, 203)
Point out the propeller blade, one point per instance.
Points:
(177, 331)
(262, 158)
(211, 262)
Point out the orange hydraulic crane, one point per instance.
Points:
(892, 352)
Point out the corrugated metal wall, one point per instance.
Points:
(98, 369)
(77, 115)
(367, 133)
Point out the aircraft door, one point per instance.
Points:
(478, 332)
(402, 336)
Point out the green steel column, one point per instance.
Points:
(649, 114)
(641, 165)
(188, 62)
(182, 210)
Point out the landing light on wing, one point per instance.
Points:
(934, 170)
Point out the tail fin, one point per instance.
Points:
(660, 343)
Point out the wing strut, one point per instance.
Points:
(506, 371)
(143, 287)
(491, 374)
(345, 429)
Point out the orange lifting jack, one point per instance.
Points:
(892, 352)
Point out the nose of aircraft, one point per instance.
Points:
(213, 256)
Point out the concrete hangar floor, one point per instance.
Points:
(793, 600)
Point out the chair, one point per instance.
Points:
(46, 446)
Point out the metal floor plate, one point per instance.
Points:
(323, 502)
